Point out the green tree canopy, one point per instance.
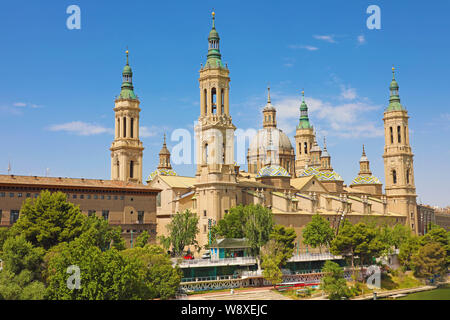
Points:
(285, 238)
(258, 227)
(161, 278)
(360, 239)
(318, 232)
(104, 275)
(21, 277)
(183, 230)
(142, 239)
(333, 282)
(48, 220)
(429, 260)
(233, 223)
(407, 250)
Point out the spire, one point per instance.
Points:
(304, 120)
(127, 82)
(363, 156)
(394, 98)
(325, 153)
(214, 57)
(268, 94)
(164, 156)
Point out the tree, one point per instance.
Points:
(271, 267)
(285, 238)
(161, 278)
(183, 230)
(258, 226)
(439, 235)
(333, 282)
(142, 240)
(20, 287)
(104, 275)
(407, 250)
(48, 220)
(429, 260)
(21, 277)
(360, 240)
(232, 224)
(19, 255)
(102, 234)
(318, 232)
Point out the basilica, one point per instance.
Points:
(294, 181)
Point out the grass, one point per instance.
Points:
(399, 281)
(293, 293)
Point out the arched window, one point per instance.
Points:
(118, 127)
(407, 175)
(399, 135)
(299, 148)
(132, 126)
(124, 127)
(392, 135)
(394, 176)
(205, 155)
(222, 96)
(213, 101)
(306, 147)
(205, 97)
(131, 168)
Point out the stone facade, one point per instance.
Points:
(131, 206)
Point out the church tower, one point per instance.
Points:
(304, 138)
(269, 113)
(126, 149)
(398, 159)
(215, 175)
(164, 157)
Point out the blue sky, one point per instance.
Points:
(55, 79)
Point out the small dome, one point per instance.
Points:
(273, 171)
(320, 175)
(366, 180)
(161, 172)
(213, 34)
(127, 70)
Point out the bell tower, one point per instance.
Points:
(126, 149)
(215, 175)
(304, 138)
(398, 159)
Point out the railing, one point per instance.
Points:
(314, 257)
(215, 262)
(210, 278)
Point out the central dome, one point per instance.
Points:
(269, 139)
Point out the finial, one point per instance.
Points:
(268, 93)
(164, 138)
(213, 18)
(127, 55)
(324, 143)
(393, 72)
(364, 151)
(303, 94)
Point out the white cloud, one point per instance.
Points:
(297, 46)
(146, 132)
(361, 39)
(81, 128)
(327, 38)
(19, 104)
(348, 93)
(345, 120)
